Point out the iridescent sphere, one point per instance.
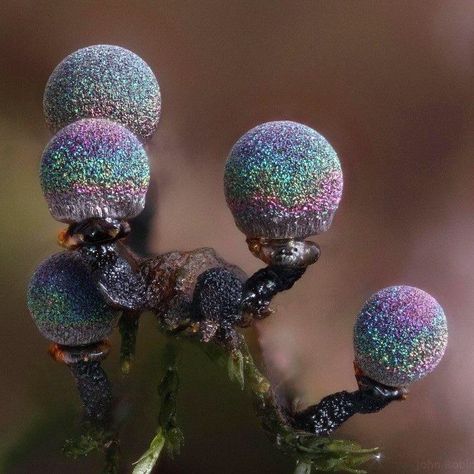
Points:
(283, 180)
(103, 81)
(400, 335)
(94, 168)
(66, 305)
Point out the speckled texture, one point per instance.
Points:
(103, 81)
(217, 305)
(282, 180)
(94, 168)
(171, 279)
(218, 296)
(65, 304)
(400, 335)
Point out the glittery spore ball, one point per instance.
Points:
(103, 81)
(283, 180)
(400, 335)
(94, 168)
(66, 305)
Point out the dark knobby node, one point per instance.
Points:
(217, 305)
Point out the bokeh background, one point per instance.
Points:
(390, 84)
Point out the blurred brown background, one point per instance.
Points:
(388, 83)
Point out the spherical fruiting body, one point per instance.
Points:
(65, 304)
(400, 335)
(94, 168)
(283, 180)
(103, 81)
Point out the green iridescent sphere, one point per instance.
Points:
(66, 305)
(283, 180)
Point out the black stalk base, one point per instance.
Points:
(333, 410)
(263, 285)
(94, 389)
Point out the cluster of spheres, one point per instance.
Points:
(102, 102)
(283, 180)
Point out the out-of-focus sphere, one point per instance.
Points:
(94, 168)
(283, 180)
(66, 305)
(400, 335)
(103, 81)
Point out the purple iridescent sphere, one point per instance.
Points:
(103, 81)
(283, 180)
(66, 305)
(94, 168)
(400, 335)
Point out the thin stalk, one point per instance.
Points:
(128, 327)
(168, 435)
